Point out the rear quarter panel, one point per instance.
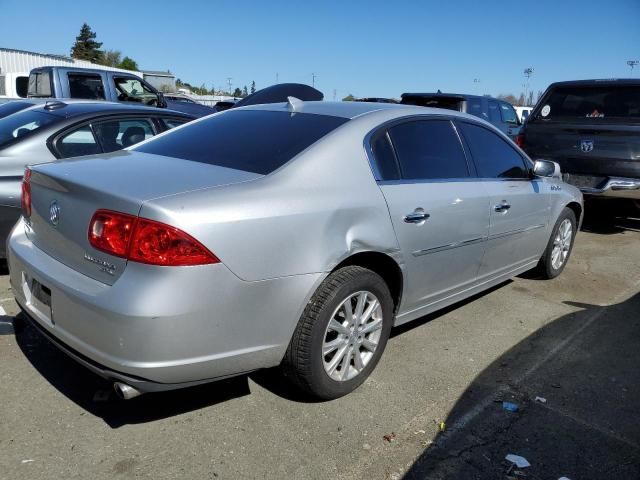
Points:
(304, 218)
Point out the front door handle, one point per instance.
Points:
(417, 216)
(502, 207)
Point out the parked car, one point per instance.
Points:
(592, 129)
(14, 106)
(200, 255)
(497, 112)
(57, 130)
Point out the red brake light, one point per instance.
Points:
(26, 193)
(520, 140)
(146, 241)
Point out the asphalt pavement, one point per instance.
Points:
(432, 409)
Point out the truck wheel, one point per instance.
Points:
(560, 244)
(341, 334)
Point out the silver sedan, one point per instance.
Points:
(292, 234)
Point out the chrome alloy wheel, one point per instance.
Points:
(352, 336)
(562, 244)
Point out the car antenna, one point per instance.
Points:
(293, 103)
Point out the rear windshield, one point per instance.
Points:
(39, 84)
(590, 103)
(252, 140)
(22, 124)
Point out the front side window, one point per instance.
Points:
(492, 155)
(429, 149)
(89, 86)
(257, 141)
(509, 115)
(77, 143)
(117, 134)
(134, 90)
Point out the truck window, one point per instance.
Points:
(591, 103)
(84, 85)
(40, 84)
(494, 112)
(508, 114)
(133, 90)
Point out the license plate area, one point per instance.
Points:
(38, 297)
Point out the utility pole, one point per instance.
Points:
(527, 73)
(229, 84)
(632, 64)
(334, 94)
(277, 75)
(313, 80)
(476, 82)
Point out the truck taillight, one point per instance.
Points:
(520, 140)
(146, 241)
(26, 194)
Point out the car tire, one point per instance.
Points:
(560, 245)
(321, 357)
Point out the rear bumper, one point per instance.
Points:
(159, 325)
(616, 187)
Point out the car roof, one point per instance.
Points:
(461, 96)
(74, 108)
(595, 82)
(352, 110)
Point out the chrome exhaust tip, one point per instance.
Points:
(126, 392)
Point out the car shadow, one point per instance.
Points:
(576, 387)
(609, 217)
(96, 395)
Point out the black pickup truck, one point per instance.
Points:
(592, 129)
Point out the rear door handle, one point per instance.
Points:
(502, 207)
(417, 216)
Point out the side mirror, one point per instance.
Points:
(546, 168)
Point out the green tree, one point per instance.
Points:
(128, 64)
(244, 92)
(111, 58)
(253, 86)
(86, 47)
(349, 98)
(237, 93)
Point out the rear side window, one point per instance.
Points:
(591, 102)
(77, 143)
(474, 107)
(22, 124)
(82, 85)
(385, 159)
(429, 149)
(256, 141)
(492, 155)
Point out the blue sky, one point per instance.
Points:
(368, 48)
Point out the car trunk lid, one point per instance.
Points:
(65, 196)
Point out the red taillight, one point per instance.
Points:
(146, 241)
(520, 140)
(26, 193)
(111, 232)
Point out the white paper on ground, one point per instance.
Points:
(519, 461)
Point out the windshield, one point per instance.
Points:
(590, 103)
(256, 141)
(22, 124)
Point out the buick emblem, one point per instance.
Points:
(54, 213)
(586, 146)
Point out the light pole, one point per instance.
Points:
(527, 73)
(476, 83)
(632, 64)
